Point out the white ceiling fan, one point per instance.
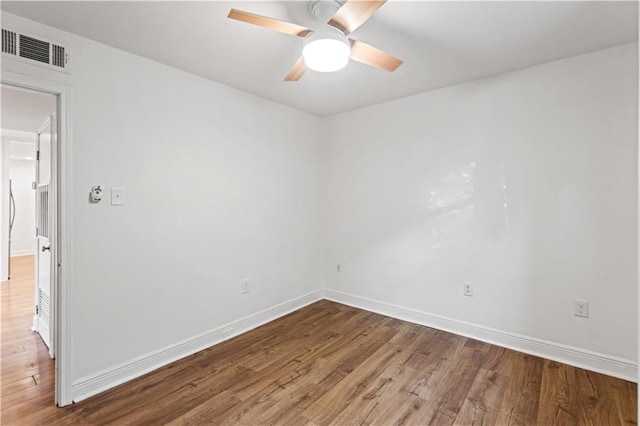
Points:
(328, 48)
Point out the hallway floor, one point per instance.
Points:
(27, 372)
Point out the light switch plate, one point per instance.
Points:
(117, 196)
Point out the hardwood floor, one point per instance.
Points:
(326, 364)
(27, 372)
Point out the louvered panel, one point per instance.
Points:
(9, 42)
(44, 306)
(57, 56)
(43, 207)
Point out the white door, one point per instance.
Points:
(45, 232)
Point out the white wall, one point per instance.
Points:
(220, 186)
(22, 173)
(523, 184)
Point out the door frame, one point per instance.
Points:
(62, 278)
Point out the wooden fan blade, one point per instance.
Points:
(297, 70)
(369, 55)
(273, 24)
(354, 13)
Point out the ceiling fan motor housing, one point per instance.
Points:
(323, 10)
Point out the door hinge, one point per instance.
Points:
(37, 310)
(37, 155)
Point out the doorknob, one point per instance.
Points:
(46, 248)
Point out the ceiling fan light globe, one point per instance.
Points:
(326, 54)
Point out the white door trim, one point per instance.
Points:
(63, 279)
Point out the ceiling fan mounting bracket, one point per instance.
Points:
(323, 10)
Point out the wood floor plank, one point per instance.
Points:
(398, 409)
(625, 395)
(389, 383)
(216, 408)
(26, 371)
(324, 364)
(482, 403)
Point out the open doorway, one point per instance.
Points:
(27, 250)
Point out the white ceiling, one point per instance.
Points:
(442, 43)
(25, 110)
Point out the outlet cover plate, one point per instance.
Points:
(117, 196)
(467, 289)
(581, 308)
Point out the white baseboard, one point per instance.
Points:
(601, 363)
(94, 384)
(18, 253)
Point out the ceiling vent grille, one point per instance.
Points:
(32, 49)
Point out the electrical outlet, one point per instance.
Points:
(245, 286)
(467, 289)
(581, 308)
